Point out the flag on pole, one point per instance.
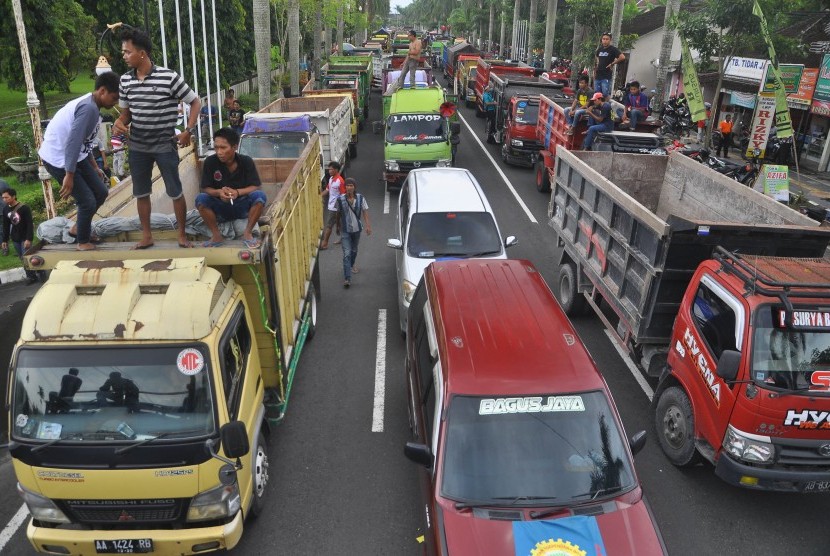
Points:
(691, 84)
(782, 112)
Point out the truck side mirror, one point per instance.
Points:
(510, 241)
(377, 127)
(728, 364)
(455, 128)
(637, 442)
(419, 453)
(234, 439)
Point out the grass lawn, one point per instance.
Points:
(13, 103)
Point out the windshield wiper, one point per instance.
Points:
(52, 442)
(499, 501)
(594, 494)
(482, 253)
(125, 449)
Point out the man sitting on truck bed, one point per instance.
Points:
(600, 113)
(582, 100)
(230, 189)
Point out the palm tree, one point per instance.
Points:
(531, 39)
(294, 45)
(514, 45)
(262, 46)
(672, 8)
(550, 31)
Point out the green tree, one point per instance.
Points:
(61, 45)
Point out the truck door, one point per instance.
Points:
(716, 322)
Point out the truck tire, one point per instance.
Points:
(352, 150)
(572, 302)
(259, 469)
(542, 177)
(311, 301)
(674, 421)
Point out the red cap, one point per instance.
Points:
(596, 96)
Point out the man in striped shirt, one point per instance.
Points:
(149, 97)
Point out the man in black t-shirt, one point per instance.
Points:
(230, 189)
(607, 56)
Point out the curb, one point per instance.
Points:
(12, 275)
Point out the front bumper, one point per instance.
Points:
(165, 542)
(780, 480)
(521, 156)
(394, 178)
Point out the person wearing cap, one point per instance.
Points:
(600, 113)
(607, 56)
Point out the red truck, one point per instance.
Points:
(740, 342)
(551, 128)
(517, 112)
(517, 69)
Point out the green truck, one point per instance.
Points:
(418, 132)
(360, 66)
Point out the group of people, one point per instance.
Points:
(149, 98)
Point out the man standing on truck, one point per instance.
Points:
(582, 100)
(607, 56)
(636, 104)
(150, 96)
(230, 189)
(67, 153)
(600, 112)
(410, 64)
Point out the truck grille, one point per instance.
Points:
(803, 454)
(407, 166)
(124, 512)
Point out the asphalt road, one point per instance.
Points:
(339, 488)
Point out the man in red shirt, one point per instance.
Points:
(335, 188)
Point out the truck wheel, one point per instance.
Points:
(573, 302)
(542, 177)
(259, 469)
(311, 302)
(675, 424)
(352, 150)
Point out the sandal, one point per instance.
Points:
(346, 284)
(252, 243)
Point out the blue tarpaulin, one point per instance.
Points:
(268, 125)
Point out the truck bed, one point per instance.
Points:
(637, 226)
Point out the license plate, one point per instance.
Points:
(124, 546)
(816, 486)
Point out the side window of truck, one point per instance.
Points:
(235, 349)
(715, 320)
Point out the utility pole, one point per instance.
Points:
(33, 104)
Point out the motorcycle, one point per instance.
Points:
(677, 120)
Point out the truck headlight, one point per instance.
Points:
(408, 291)
(216, 503)
(41, 508)
(444, 163)
(517, 143)
(392, 166)
(747, 447)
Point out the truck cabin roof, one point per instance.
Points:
(502, 331)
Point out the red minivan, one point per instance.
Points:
(522, 449)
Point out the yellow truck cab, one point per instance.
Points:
(145, 383)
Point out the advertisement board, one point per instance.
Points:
(762, 121)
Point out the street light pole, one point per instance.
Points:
(33, 104)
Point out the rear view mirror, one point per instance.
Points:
(728, 364)
(637, 442)
(234, 439)
(455, 128)
(377, 127)
(511, 241)
(419, 453)
(394, 243)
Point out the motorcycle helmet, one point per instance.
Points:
(707, 105)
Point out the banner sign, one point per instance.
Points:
(761, 124)
(776, 181)
(822, 91)
(790, 75)
(747, 68)
(804, 96)
(746, 100)
(691, 84)
(782, 111)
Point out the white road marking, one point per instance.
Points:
(380, 374)
(631, 367)
(386, 202)
(13, 525)
(496, 166)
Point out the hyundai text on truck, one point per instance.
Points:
(145, 382)
(719, 291)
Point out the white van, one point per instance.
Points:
(442, 214)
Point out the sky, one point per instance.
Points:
(401, 3)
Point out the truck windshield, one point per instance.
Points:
(273, 145)
(792, 353)
(116, 394)
(416, 128)
(452, 234)
(527, 113)
(507, 450)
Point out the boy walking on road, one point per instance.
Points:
(350, 208)
(18, 228)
